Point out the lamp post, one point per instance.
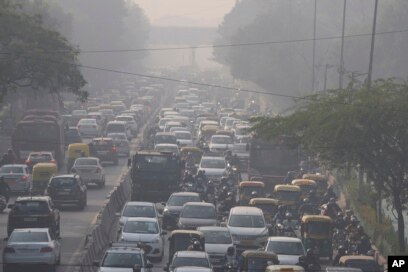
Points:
(370, 66)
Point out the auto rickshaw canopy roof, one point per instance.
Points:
(251, 184)
(44, 170)
(301, 182)
(284, 268)
(315, 177)
(75, 149)
(190, 149)
(263, 200)
(284, 187)
(356, 257)
(186, 232)
(316, 218)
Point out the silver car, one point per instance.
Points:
(27, 247)
(121, 142)
(134, 209)
(189, 258)
(214, 167)
(17, 176)
(197, 214)
(288, 249)
(90, 170)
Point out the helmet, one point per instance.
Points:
(288, 215)
(309, 252)
(341, 250)
(332, 200)
(210, 182)
(306, 200)
(225, 188)
(349, 212)
(230, 194)
(360, 229)
(254, 194)
(188, 153)
(196, 245)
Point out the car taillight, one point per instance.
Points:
(24, 178)
(9, 250)
(27, 162)
(46, 249)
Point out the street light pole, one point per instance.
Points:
(314, 45)
(341, 70)
(370, 66)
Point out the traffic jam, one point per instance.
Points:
(206, 193)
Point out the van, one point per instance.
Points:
(118, 127)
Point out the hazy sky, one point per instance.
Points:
(186, 12)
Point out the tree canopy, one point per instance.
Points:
(360, 127)
(35, 57)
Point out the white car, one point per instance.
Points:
(241, 131)
(220, 143)
(31, 247)
(214, 167)
(248, 227)
(90, 170)
(17, 176)
(131, 123)
(197, 214)
(137, 209)
(184, 138)
(288, 249)
(168, 148)
(192, 269)
(88, 127)
(189, 258)
(146, 230)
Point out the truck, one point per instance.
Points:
(154, 175)
(271, 160)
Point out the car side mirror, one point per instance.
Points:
(95, 263)
(129, 162)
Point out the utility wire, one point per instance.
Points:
(219, 45)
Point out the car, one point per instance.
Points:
(108, 114)
(217, 241)
(31, 246)
(36, 157)
(67, 189)
(219, 143)
(247, 227)
(88, 127)
(171, 124)
(121, 142)
(146, 230)
(184, 138)
(137, 209)
(72, 136)
(90, 170)
(192, 269)
(214, 167)
(79, 113)
(174, 206)
(130, 121)
(121, 257)
(164, 138)
(288, 249)
(197, 214)
(174, 129)
(17, 176)
(34, 212)
(167, 148)
(104, 149)
(118, 127)
(189, 258)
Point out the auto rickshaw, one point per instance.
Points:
(246, 188)
(75, 151)
(316, 234)
(284, 268)
(365, 263)
(181, 240)
(321, 182)
(256, 260)
(196, 154)
(225, 132)
(269, 206)
(305, 185)
(42, 172)
(207, 131)
(288, 195)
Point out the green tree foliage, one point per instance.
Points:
(26, 61)
(356, 127)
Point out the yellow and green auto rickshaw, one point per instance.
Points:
(246, 188)
(289, 196)
(256, 260)
(321, 182)
(181, 239)
(269, 206)
(316, 233)
(284, 268)
(41, 175)
(305, 185)
(75, 151)
(355, 262)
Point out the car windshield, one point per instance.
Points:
(63, 182)
(121, 259)
(139, 211)
(246, 221)
(165, 139)
(196, 211)
(116, 128)
(141, 227)
(288, 195)
(84, 161)
(221, 140)
(117, 136)
(33, 237)
(11, 170)
(40, 157)
(217, 237)
(213, 163)
(183, 135)
(177, 200)
(31, 207)
(286, 248)
(189, 261)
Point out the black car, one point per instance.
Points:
(67, 189)
(72, 136)
(34, 212)
(104, 149)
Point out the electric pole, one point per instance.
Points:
(370, 66)
(341, 69)
(314, 45)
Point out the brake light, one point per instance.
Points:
(24, 178)
(9, 250)
(27, 162)
(46, 249)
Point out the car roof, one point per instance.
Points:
(185, 194)
(165, 133)
(15, 165)
(168, 145)
(124, 248)
(283, 239)
(246, 210)
(116, 122)
(192, 269)
(40, 152)
(143, 219)
(212, 158)
(35, 198)
(31, 230)
(191, 254)
(86, 158)
(65, 176)
(140, 203)
(202, 204)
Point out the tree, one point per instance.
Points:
(355, 127)
(35, 57)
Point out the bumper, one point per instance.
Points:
(20, 186)
(47, 258)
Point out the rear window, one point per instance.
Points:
(116, 128)
(11, 170)
(81, 161)
(72, 133)
(139, 211)
(22, 237)
(63, 182)
(40, 157)
(31, 207)
(102, 142)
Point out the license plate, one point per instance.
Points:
(30, 219)
(63, 193)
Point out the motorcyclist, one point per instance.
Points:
(288, 223)
(224, 192)
(195, 246)
(229, 201)
(341, 251)
(188, 178)
(228, 156)
(254, 194)
(230, 257)
(313, 199)
(280, 214)
(312, 261)
(340, 223)
(200, 177)
(289, 177)
(332, 209)
(223, 182)
(235, 160)
(364, 245)
(210, 190)
(189, 160)
(4, 189)
(11, 156)
(306, 208)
